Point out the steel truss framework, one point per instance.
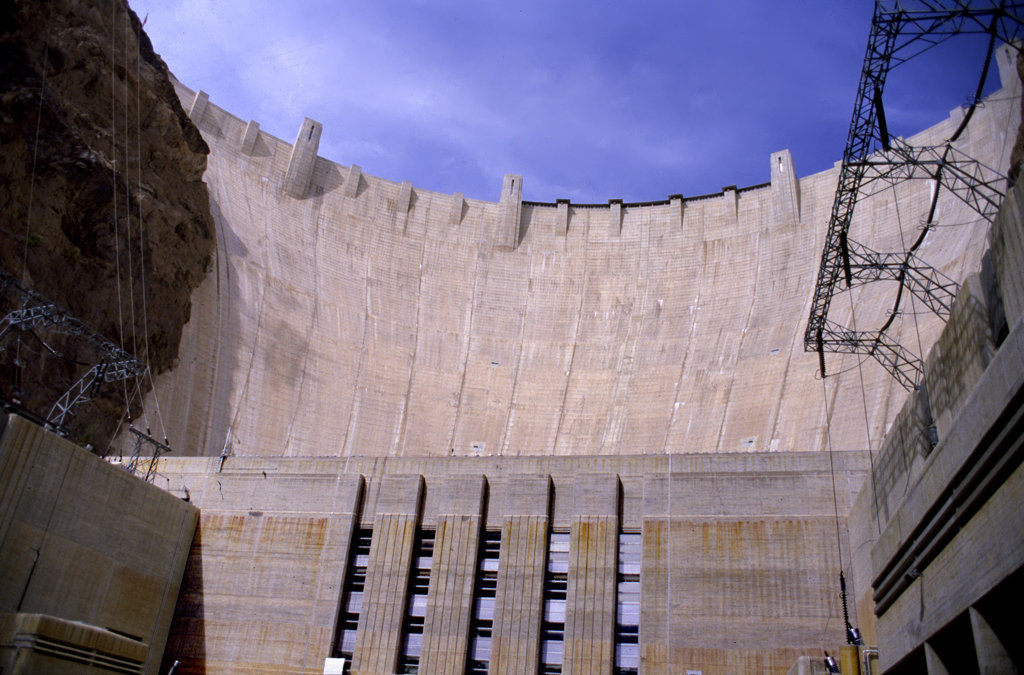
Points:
(35, 311)
(133, 465)
(900, 31)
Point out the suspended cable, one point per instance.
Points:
(16, 389)
(35, 154)
(128, 199)
(835, 494)
(142, 246)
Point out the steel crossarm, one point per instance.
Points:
(923, 24)
(899, 31)
(24, 319)
(83, 390)
(36, 311)
(901, 363)
(977, 185)
(936, 290)
(860, 144)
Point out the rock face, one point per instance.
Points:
(104, 208)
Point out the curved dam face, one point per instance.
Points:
(348, 315)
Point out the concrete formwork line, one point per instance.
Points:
(315, 216)
(575, 338)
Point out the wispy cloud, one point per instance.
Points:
(588, 100)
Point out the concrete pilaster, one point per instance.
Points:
(933, 662)
(993, 659)
(450, 600)
(591, 595)
(252, 132)
(614, 217)
(849, 660)
(654, 589)
(455, 215)
(678, 207)
(380, 622)
(511, 211)
(303, 158)
(198, 107)
(333, 563)
(562, 220)
(515, 645)
(730, 194)
(351, 186)
(785, 191)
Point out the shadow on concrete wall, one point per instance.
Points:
(186, 642)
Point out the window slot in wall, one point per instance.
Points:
(416, 605)
(556, 581)
(352, 595)
(485, 588)
(627, 605)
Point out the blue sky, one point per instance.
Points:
(587, 100)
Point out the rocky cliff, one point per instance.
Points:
(104, 208)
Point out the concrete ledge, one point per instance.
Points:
(43, 643)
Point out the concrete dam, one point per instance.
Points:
(348, 315)
(414, 432)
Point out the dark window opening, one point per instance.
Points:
(485, 588)
(416, 605)
(352, 595)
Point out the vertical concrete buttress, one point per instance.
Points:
(785, 188)
(614, 217)
(252, 133)
(300, 166)
(515, 644)
(562, 220)
(511, 211)
(399, 504)
(198, 107)
(351, 186)
(655, 588)
(593, 566)
(450, 598)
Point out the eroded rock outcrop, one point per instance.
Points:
(104, 208)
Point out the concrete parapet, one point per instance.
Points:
(303, 158)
